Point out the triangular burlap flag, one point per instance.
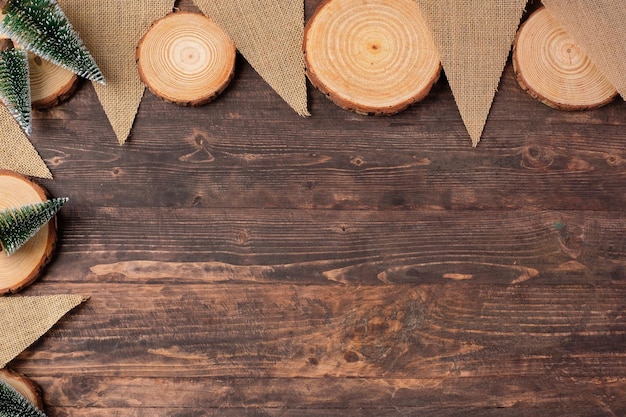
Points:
(474, 38)
(23, 320)
(111, 30)
(269, 34)
(16, 152)
(599, 27)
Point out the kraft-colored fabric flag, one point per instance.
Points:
(474, 38)
(111, 30)
(598, 26)
(269, 34)
(16, 152)
(23, 320)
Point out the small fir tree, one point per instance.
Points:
(18, 225)
(41, 27)
(15, 84)
(13, 404)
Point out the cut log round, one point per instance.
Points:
(25, 386)
(186, 58)
(24, 266)
(553, 68)
(50, 84)
(374, 57)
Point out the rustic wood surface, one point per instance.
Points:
(244, 261)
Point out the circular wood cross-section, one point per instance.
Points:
(374, 57)
(186, 58)
(552, 67)
(50, 84)
(25, 386)
(25, 265)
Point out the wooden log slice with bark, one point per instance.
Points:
(553, 68)
(375, 57)
(50, 85)
(186, 58)
(25, 386)
(24, 266)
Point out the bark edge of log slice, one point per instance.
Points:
(24, 385)
(205, 59)
(551, 67)
(357, 54)
(25, 265)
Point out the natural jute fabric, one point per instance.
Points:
(111, 30)
(23, 320)
(269, 34)
(16, 152)
(474, 38)
(599, 26)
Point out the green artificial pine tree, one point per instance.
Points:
(13, 404)
(18, 225)
(41, 27)
(15, 84)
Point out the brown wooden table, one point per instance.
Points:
(245, 261)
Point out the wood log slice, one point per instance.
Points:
(375, 57)
(25, 386)
(24, 266)
(186, 58)
(552, 67)
(50, 85)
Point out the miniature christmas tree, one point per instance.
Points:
(15, 84)
(13, 404)
(41, 27)
(18, 225)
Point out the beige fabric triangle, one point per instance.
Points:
(269, 35)
(598, 26)
(474, 38)
(111, 30)
(23, 320)
(16, 152)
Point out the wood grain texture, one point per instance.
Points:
(373, 58)
(21, 263)
(186, 58)
(554, 69)
(243, 261)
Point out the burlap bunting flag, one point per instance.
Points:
(111, 30)
(269, 35)
(23, 320)
(598, 26)
(16, 152)
(474, 38)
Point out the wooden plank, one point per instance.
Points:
(138, 245)
(293, 331)
(228, 154)
(339, 395)
(383, 412)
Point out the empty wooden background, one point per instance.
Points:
(244, 261)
